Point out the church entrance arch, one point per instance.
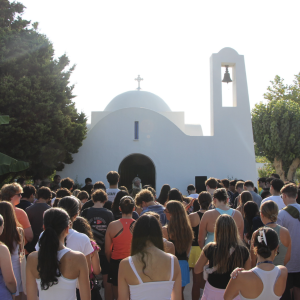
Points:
(136, 165)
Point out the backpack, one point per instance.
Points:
(293, 211)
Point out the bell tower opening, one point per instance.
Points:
(136, 165)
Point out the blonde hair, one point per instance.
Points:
(227, 237)
(179, 228)
(269, 209)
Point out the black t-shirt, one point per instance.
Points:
(219, 280)
(35, 214)
(99, 219)
(23, 204)
(118, 215)
(90, 203)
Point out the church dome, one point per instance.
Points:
(139, 99)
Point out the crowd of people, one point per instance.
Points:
(60, 242)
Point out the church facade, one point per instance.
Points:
(137, 134)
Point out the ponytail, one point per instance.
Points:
(55, 221)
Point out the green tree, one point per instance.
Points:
(9, 164)
(45, 127)
(278, 90)
(276, 128)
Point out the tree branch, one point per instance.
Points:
(292, 169)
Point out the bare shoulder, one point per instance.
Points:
(237, 214)
(32, 261)
(245, 276)
(76, 257)
(124, 264)
(194, 219)
(283, 271)
(284, 231)
(3, 250)
(114, 223)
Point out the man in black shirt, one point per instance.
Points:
(28, 195)
(90, 203)
(99, 219)
(35, 214)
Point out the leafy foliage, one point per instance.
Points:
(276, 128)
(267, 169)
(8, 164)
(279, 90)
(45, 127)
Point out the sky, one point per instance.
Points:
(168, 43)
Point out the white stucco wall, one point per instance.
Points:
(178, 157)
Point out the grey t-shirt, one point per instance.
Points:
(35, 214)
(293, 226)
(256, 198)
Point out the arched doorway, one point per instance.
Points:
(136, 165)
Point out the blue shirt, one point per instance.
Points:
(159, 209)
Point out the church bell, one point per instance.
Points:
(226, 76)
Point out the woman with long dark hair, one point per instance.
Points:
(207, 225)
(265, 281)
(163, 196)
(251, 216)
(54, 269)
(224, 254)
(8, 283)
(243, 198)
(149, 273)
(179, 232)
(12, 237)
(204, 199)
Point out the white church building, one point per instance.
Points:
(137, 134)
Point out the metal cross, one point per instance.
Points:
(139, 79)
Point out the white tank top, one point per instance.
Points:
(268, 279)
(65, 289)
(161, 290)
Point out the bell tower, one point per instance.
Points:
(236, 118)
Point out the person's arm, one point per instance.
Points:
(7, 269)
(28, 234)
(31, 287)
(95, 263)
(165, 232)
(252, 254)
(201, 262)
(123, 288)
(247, 265)
(108, 242)
(286, 241)
(232, 289)
(239, 223)
(24, 221)
(83, 278)
(177, 289)
(88, 261)
(169, 247)
(202, 231)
